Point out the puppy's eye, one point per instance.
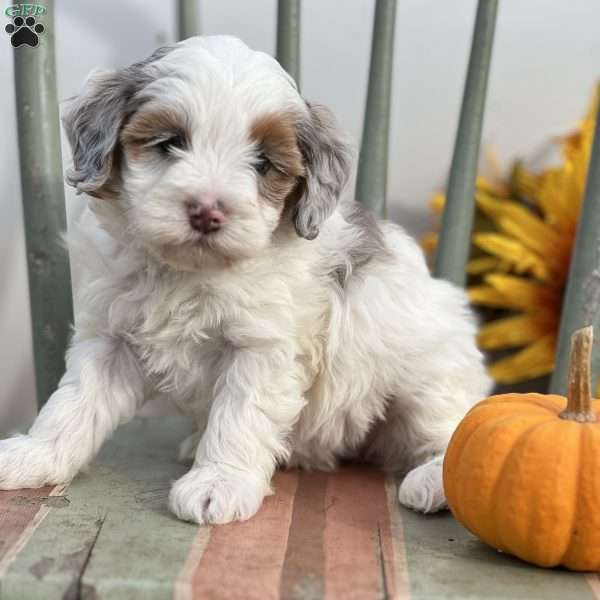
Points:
(262, 164)
(175, 142)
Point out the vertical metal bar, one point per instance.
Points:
(371, 182)
(288, 37)
(581, 305)
(43, 205)
(457, 222)
(188, 19)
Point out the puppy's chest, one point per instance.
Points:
(180, 342)
(186, 336)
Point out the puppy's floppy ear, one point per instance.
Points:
(327, 158)
(93, 121)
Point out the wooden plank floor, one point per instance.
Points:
(335, 536)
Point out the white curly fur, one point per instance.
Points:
(285, 350)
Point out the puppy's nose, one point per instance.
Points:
(203, 218)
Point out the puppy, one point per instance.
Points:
(221, 271)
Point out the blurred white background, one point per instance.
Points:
(545, 62)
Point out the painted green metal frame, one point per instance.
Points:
(371, 179)
(288, 37)
(581, 305)
(188, 19)
(455, 236)
(43, 207)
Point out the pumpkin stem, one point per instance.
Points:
(579, 398)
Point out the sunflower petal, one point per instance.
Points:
(535, 360)
(521, 258)
(523, 182)
(520, 222)
(482, 264)
(486, 295)
(516, 331)
(525, 294)
(557, 199)
(557, 256)
(492, 186)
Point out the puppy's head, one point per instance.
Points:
(199, 153)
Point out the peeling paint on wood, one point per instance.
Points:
(50, 501)
(42, 567)
(18, 521)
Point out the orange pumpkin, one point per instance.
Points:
(522, 472)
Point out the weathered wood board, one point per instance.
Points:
(338, 536)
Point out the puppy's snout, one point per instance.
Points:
(206, 218)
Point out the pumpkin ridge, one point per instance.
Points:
(457, 462)
(576, 496)
(501, 473)
(494, 422)
(457, 450)
(567, 456)
(461, 451)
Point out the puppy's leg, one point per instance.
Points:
(102, 387)
(430, 420)
(256, 404)
(416, 431)
(409, 441)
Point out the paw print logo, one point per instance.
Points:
(24, 31)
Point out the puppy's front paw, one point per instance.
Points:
(208, 495)
(26, 462)
(423, 489)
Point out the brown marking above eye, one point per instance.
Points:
(275, 137)
(155, 128)
(278, 160)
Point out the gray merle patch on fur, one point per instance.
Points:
(95, 118)
(367, 245)
(327, 159)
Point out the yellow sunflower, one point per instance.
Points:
(521, 248)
